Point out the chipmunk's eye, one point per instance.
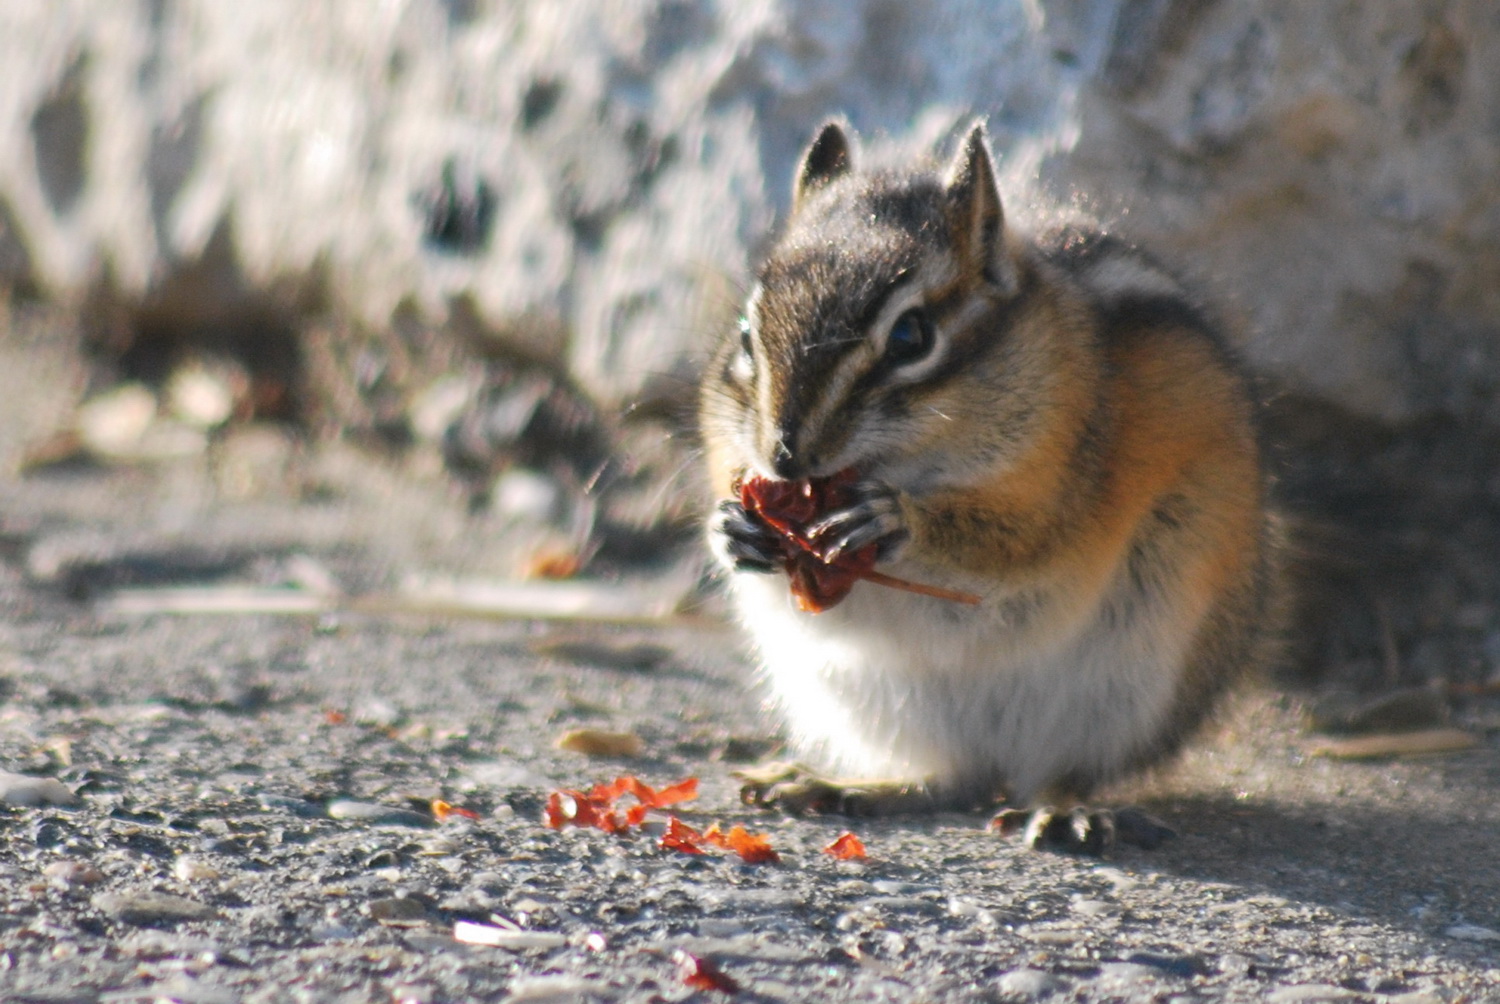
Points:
(910, 338)
(745, 346)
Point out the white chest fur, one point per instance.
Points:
(1008, 697)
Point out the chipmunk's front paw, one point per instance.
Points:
(1082, 830)
(874, 518)
(741, 542)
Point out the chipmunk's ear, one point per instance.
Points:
(974, 212)
(830, 155)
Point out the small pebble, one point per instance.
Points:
(499, 937)
(25, 790)
(152, 907)
(200, 397)
(1051, 935)
(370, 812)
(1472, 932)
(71, 872)
(893, 888)
(1311, 993)
(1235, 964)
(747, 947)
(1094, 908)
(332, 931)
(722, 927)
(1121, 880)
(190, 869)
(379, 713)
(537, 989)
(411, 995)
(903, 904)
(115, 422)
(397, 910)
(296, 806)
(967, 908)
(1127, 974)
(1186, 966)
(598, 742)
(1028, 984)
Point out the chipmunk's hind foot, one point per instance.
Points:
(795, 789)
(1091, 832)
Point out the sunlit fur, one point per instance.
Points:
(1077, 449)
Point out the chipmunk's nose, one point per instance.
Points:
(785, 463)
(788, 460)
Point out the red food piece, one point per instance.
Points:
(608, 794)
(599, 807)
(569, 808)
(683, 791)
(753, 848)
(846, 847)
(789, 508)
(442, 811)
(681, 837)
(701, 974)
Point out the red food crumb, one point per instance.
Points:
(681, 837)
(441, 811)
(569, 808)
(753, 848)
(789, 508)
(552, 565)
(701, 974)
(682, 791)
(846, 847)
(599, 807)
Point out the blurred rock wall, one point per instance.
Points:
(599, 174)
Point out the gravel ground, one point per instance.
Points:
(252, 821)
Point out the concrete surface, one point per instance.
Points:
(202, 861)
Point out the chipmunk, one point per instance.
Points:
(1049, 424)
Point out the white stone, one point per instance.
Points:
(1332, 172)
(1472, 932)
(24, 790)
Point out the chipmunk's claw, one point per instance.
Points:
(742, 542)
(875, 519)
(795, 789)
(1081, 830)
